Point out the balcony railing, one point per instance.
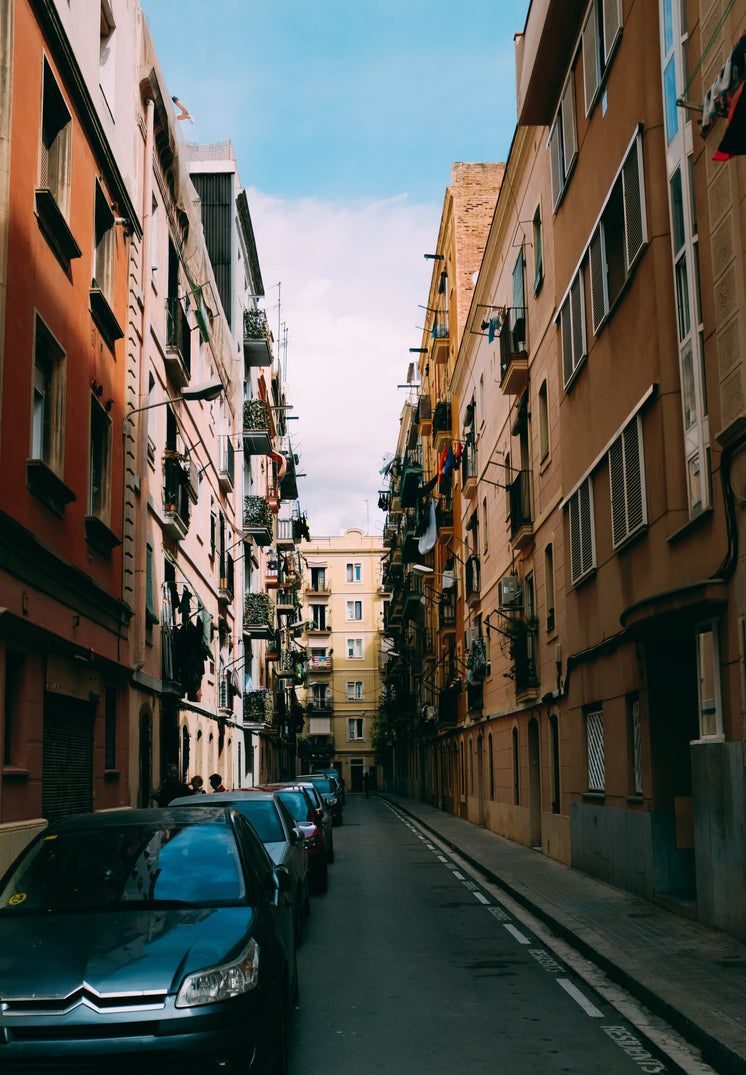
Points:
(258, 707)
(257, 519)
(521, 527)
(523, 649)
(513, 351)
(176, 471)
(178, 342)
(320, 664)
(225, 592)
(259, 615)
(257, 348)
(472, 574)
(257, 427)
(226, 464)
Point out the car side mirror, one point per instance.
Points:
(296, 835)
(280, 882)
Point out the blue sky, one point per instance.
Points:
(345, 119)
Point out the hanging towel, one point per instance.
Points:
(428, 539)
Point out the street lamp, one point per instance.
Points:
(208, 390)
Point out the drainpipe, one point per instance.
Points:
(141, 437)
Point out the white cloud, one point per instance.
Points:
(351, 276)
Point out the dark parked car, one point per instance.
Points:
(306, 814)
(328, 787)
(326, 813)
(149, 941)
(276, 828)
(336, 775)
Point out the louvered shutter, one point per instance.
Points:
(598, 279)
(576, 570)
(586, 526)
(554, 164)
(591, 73)
(578, 320)
(635, 225)
(618, 499)
(569, 134)
(633, 473)
(612, 10)
(568, 364)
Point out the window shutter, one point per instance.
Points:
(568, 365)
(576, 571)
(569, 135)
(591, 73)
(612, 26)
(598, 281)
(588, 559)
(594, 731)
(634, 479)
(635, 228)
(618, 501)
(554, 164)
(578, 319)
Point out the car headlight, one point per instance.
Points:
(221, 983)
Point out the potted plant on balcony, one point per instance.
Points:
(257, 512)
(258, 706)
(256, 414)
(255, 325)
(259, 610)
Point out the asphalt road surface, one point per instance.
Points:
(410, 966)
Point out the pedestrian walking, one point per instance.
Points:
(196, 785)
(366, 783)
(172, 787)
(216, 782)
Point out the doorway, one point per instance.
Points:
(534, 784)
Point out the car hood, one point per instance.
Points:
(116, 952)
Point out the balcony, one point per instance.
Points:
(285, 534)
(320, 705)
(317, 589)
(225, 591)
(521, 525)
(178, 355)
(411, 477)
(425, 415)
(226, 464)
(320, 664)
(513, 352)
(320, 622)
(287, 600)
(175, 495)
(257, 519)
(469, 471)
(447, 612)
(258, 615)
(289, 484)
(522, 650)
(441, 425)
(440, 343)
(257, 346)
(472, 574)
(258, 707)
(257, 427)
(292, 665)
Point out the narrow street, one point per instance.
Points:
(408, 965)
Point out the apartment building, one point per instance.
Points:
(68, 221)
(343, 609)
(603, 398)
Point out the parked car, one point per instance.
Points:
(146, 940)
(328, 787)
(306, 813)
(276, 828)
(336, 775)
(321, 806)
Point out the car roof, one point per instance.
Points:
(113, 819)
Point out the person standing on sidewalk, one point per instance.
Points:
(366, 783)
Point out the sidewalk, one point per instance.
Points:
(693, 977)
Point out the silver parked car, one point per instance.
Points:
(276, 828)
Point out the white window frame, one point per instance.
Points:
(354, 644)
(55, 143)
(602, 30)
(354, 573)
(105, 245)
(352, 608)
(572, 329)
(354, 690)
(355, 729)
(582, 531)
(709, 693)
(629, 512)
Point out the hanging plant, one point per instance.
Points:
(257, 511)
(259, 608)
(255, 325)
(255, 414)
(258, 706)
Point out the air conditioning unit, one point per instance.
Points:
(511, 594)
(470, 635)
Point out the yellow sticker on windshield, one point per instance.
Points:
(18, 898)
(52, 837)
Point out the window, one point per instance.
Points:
(572, 329)
(635, 744)
(47, 427)
(318, 617)
(103, 262)
(485, 527)
(507, 482)
(106, 53)
(543, 422)
(355, 730)
(708, 664)
(151, 615)
(563, 142)
(582, 537)
(56, 138)
(627, 479)
(601, 32)
(354, 691)
(354, 610)
(549, 586)
(354, 572)
(516, 770)
(619, 237)
(99, 474)
(318, 578)
(538, 252)
(355, 648)
(594, 739)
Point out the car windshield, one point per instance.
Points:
(262, 813)
(324, 784)
(132, 865)
(296, 803)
